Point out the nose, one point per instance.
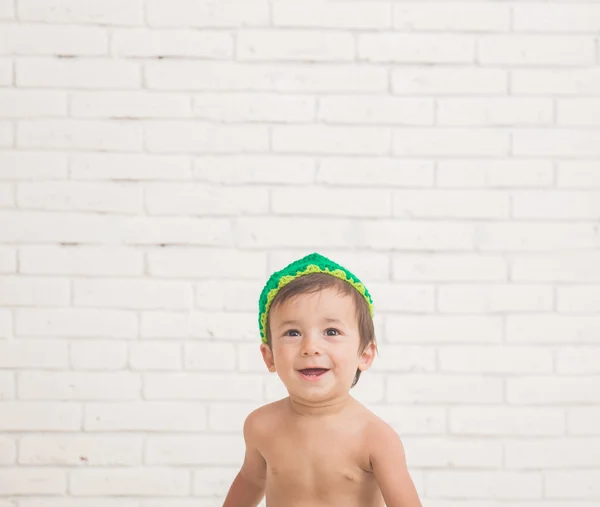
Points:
(311, 344)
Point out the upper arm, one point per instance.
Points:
(254, 467)
(388, 461)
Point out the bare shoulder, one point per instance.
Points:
(260, 421)
(378, 435)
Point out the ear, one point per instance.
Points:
(366, 358)
(267, 355)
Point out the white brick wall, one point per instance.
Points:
(159, 158)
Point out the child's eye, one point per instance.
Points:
(287, 333)
(336, 332)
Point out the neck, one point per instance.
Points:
(323, 408)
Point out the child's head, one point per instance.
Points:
(317, 319)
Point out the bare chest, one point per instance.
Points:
(325, 467)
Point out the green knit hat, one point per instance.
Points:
(313, 263)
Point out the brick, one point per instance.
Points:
(379, 172)
(213, 481)
(436, 142)
(249, 168)
(43, 39)
(556, 142)
(294, 45)
(254, 107)
(496, 359)
(534, 236)
(32, 481)
(450, 204)
(19, 291)
(200, 386)
(540, 328)
(132, 294)
(129, 166)
(555, 81)
(495, 111)
(495, 299)
(23, 165)
(155, 356)
(459, 16)
(404, 358)
(184, 137)
(80, 449)
(25, 103)
(145, 416)
(578, 299)
(578, 112)
(76, 502)
(195, 450)
(80, 135)
(75, 323)
(81, 260)
(205, 200)
(583, 174)
(421, 235)
(121, 198)
(6, 324)
(6, 72)
(575, 484)
(582, 17)
(444, 329)
(30, 354)
(8, 260)
(376, 110)
(209, 356)
(129, 104)
(556, 205)
(360, 15)
(206, 13)
(332, 202)
(546, 390)
(432, 452)
(8, 452)
(402, 298)
(77, 73)
(578, 361)
(536, 50)
(40, 416)
(7, 12)
(417, 388)
(7, 136)
(108, 12)
(578, 267)
(445, 80)
(229, 417)
(79, 386)
(583, 420)
(197, 263)
(283, 77)
(416, 48)
(140, 42)
(331, 140)
(487, 485)
(7, 385)
(295, 232)
(130, 482)
(494, 173)
(99, 355)
(7, 192)
(507, 421)
(228, 295)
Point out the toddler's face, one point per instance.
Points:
(317, 330)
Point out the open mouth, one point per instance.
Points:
(313, 373)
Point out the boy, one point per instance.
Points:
(319, 446)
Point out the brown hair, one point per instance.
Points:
(315, 282)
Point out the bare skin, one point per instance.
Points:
(318, 461)
(319, 447)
